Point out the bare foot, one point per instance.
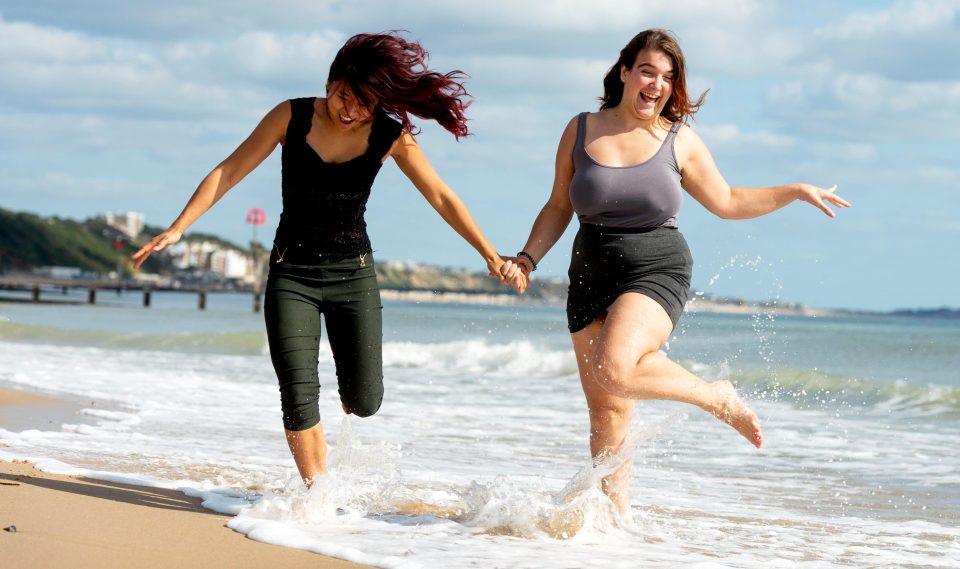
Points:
(734, 412)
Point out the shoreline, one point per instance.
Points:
(27, 410)
(694, 306)
(85, 523)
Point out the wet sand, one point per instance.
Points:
(68, 521)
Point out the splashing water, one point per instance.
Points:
(365, 482)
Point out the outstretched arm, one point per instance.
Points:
(226, 175)
(702, 179)
(414, 164)
(556, 213)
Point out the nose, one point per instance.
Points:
(349, 108)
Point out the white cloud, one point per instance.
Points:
(574, 15)
(730, 136)
(912, 40)
(63, 71)
(26, 41)
(179, 18)
(256, 56)
(546, 77)
(60, 185)
(903, 19)
(869, 95)
(750, 50)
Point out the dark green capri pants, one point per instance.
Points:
(345, 292)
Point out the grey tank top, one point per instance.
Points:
(642, 196)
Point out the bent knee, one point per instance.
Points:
(363, 407)
(610, 373)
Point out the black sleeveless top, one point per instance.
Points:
(324, 202)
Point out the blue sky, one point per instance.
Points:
(126, 105)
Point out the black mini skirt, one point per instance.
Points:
(607, 262)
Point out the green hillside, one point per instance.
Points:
(28, 241)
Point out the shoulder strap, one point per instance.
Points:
(581, 128)
(383, 133)
(675, 127)
(301, 113)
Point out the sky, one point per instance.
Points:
(110, 105)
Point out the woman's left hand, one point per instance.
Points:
(817, 196)
(507, 271)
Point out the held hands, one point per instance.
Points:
(506, 271)
(515, 269)
(817, 196)
(158, 243)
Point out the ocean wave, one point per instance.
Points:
(808, 389)
(233, 343)
(518, 358)
(805, 389)
(468, 356)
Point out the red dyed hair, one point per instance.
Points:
(393, 72)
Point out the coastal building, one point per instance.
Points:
(212, 257)
(130, 223)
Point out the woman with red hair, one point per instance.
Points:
(321, 262)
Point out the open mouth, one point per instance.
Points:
(346, 120)
(652, 99)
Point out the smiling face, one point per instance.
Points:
(647, 85)
(345, 109)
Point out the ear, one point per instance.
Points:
(623, 73)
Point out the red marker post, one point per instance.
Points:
(256, 217)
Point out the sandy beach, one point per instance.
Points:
(65, 521)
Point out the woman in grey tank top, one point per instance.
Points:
(621, 171)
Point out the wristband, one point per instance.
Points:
(527, 256)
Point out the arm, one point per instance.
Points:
(226, 175)
(703, 181)
(412, 162)
(557, 212)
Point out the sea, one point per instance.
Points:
(479, 455)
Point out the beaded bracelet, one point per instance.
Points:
(527, 256)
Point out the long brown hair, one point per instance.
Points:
(393, 72)
(679, 107)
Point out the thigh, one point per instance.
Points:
(292, 317)
(599, 400)
(353, 315)
(635, 325)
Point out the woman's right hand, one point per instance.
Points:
(158, 243)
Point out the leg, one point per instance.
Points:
(309, 449)
(627, 363)
(293, 332)
(610, 416)
(353, 314)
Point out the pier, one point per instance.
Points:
(39, 285)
